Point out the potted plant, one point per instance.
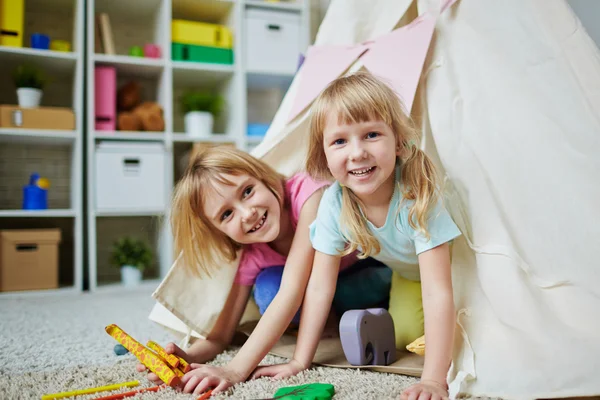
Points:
(200, 109)
(29, 81)
(132, 256)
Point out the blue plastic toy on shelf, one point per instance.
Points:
(35, 194)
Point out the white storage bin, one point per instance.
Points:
(272, 41)
(130, 176)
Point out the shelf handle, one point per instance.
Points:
(131, 166)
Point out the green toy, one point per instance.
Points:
(313, 391)
(136, 51)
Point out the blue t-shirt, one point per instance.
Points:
(400, 243)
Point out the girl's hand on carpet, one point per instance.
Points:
(203, 377)
(425, 390)
(279, 371)
(170, 348)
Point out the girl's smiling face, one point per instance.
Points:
(243, 208)
(361, 156)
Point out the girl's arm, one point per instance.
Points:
(203, 350)
(440, 319)
(315, 310)
(280, 312)
(276, 318)
(316, 306)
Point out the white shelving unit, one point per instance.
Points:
(137, 22)
(55, 154)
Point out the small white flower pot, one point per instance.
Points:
(29, 97)
(130, 276)
(198, 123)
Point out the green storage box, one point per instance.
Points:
(189, 52)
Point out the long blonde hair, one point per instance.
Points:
(361, 98)
(204, 247)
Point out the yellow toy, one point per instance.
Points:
(89, 391)
(418, 346)
(152, 361)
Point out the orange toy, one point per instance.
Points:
(152, 361)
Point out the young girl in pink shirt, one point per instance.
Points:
(229, 201)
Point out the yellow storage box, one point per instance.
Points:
(201, 34)
(11, 22)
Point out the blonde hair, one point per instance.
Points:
(361, 98)
(202, 246)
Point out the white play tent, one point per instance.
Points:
(509, 101)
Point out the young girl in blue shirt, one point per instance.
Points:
(385, 202)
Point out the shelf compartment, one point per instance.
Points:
(134, 23)
(56, 18)
(66, 247)
(218, 81)
(108, 230)
(37, 136)
(60, 69)
(19, 161)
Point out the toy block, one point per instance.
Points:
(11, 22)
(201, 34)
(151, 360)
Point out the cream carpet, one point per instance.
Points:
(55, 343)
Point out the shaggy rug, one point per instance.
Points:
(56, 343)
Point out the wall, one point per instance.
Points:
(588, 12)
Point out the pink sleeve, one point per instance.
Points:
(248, 269)
(300, 187)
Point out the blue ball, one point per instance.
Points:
(120, 350)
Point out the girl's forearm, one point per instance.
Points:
(271, 326)
(315, 308)
(315, 311)
(440, 322)
(203, 350)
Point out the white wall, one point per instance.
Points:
(588, 12)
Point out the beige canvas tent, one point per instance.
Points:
(509, 102)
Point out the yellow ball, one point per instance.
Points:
(44, 183)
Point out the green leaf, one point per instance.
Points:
(29, 76)
(130, 251)
(313, 391)
(202, 100)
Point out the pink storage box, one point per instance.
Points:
(105, 89)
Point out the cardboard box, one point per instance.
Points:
(29, 259)
(12, 116)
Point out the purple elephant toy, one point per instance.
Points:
(368, 337)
